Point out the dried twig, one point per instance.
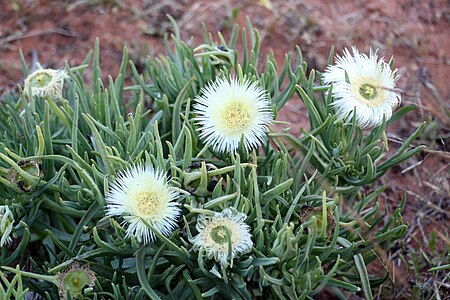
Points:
(23, 35)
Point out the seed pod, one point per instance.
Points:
(308, 212)
(197, 181)
(32, 167)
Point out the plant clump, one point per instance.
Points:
(178, 185)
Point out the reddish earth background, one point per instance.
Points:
(415, 32)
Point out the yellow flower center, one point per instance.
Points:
(368, 91)
(219, 234)
(148, 203)
(75, 280)
(236, 116)
(219, 231)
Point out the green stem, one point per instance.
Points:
(49, 278)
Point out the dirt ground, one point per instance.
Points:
(415, 32)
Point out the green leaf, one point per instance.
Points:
(363, 275)
(277, 190)
(176, 121)
(91, 212)
(100, 145)
(140, 270)
(343, 284)
(439, 268)
(400, 113)
(20, 249)
(97, 73)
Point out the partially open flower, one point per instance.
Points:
(142, 194)
(45, 83)
(231, 110)
(363, 83)
(6, 225)
(222, 232)
(74, 280)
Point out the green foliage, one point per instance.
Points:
(312, 226)
(12, 289)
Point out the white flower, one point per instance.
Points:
(6, 225)
(365, 83)
(228, 110)
(216, 231)
(141, 193)
(45, 82)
